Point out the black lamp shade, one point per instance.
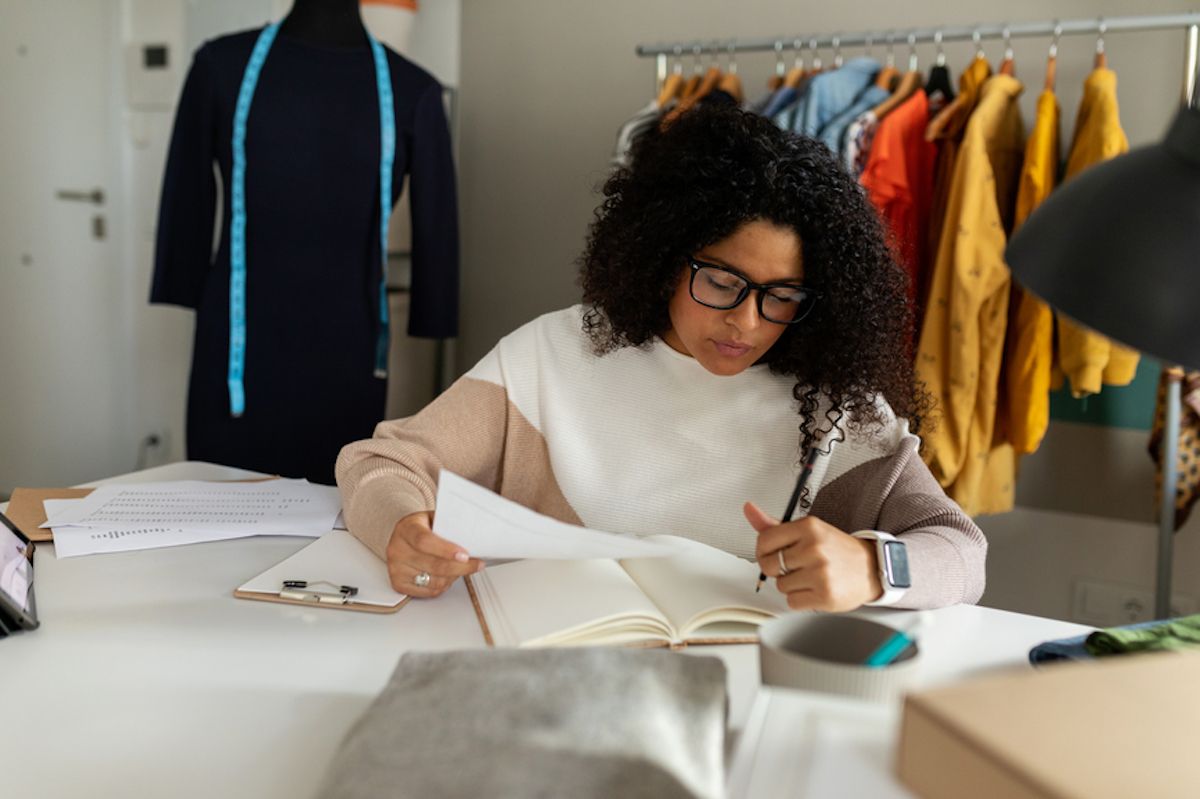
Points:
(1117, 248)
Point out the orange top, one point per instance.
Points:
(899, 181)
(411, 5)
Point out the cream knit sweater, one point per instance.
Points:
(644, 441)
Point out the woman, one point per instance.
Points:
(737, 290)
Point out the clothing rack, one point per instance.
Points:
(1097, 26)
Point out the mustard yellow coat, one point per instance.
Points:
(962, 336)
(1029, 348)
(1085, 357)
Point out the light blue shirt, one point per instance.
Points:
(835, 129)
(831, 93)
(782, 99)
(786, 118)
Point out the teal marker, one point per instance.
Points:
(889, 650)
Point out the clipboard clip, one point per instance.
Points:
(298, 590)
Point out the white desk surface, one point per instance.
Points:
(148, 678)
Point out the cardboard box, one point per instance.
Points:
(1126, 726)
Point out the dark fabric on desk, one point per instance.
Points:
(588, 722)
(1077, 646)
(1171, 635)
(312, 245)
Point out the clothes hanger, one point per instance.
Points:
(792, 79)
(693, 80)
(1101, 61)
(704, 87)
(816, 57)
(673, 86)
(1007, 67)
(776, 80)
(939, 76)
(730, 82)
(837, 52)
(909, 83)
(937, 125)
(712, 76)
(887, 77)
(1052, 59)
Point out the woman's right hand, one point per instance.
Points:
(415, 549)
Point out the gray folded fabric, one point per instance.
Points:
(547, 722)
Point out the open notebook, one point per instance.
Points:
(700, 596)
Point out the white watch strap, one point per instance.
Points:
(891, 594)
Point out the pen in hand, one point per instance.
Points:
(802, 480)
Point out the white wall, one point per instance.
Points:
(435, 37)
(545, 87)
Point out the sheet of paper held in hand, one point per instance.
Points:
(489, 526)
(148, 515)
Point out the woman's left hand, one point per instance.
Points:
(826, 568)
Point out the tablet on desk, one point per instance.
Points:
(17, 608)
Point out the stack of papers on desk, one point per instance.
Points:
(131, 516)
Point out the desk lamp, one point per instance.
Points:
(1118, 249)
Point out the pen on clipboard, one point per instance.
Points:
(805, 470)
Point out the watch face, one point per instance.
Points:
(895, 564)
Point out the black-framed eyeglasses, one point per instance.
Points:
(720, 288)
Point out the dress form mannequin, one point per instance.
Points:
(305, 259)
(328, 23)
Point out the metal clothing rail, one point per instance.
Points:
(1099, 26)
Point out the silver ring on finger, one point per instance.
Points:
(783, 569)
(422, 580)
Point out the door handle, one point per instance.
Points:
(95, 196)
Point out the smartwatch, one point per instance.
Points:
(892, 557)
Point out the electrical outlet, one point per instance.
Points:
(1105, 604)
(153, 448)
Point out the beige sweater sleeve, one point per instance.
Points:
(898, 494)
(473, 430)
(385, 478)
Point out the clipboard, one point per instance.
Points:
(26, 511)
(336, 571)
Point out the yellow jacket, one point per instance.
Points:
(1029, 349)
(1087, 358)
(947, 129)
(962, 337)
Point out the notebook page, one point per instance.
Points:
(491, 526)
(700, 579)
(537, 602)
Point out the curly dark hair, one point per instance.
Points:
(695, 183)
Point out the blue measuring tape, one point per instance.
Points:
(237, 207)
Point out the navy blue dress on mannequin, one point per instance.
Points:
(313, 260)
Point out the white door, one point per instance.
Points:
(64, 292)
